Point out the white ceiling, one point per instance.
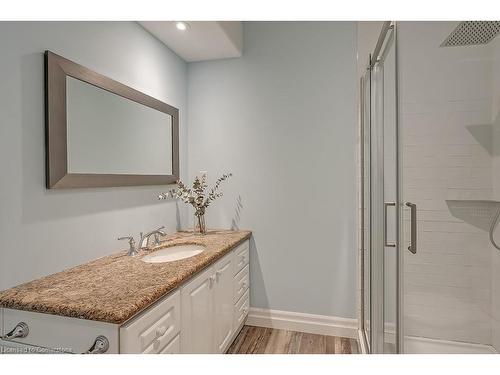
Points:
(204, 40)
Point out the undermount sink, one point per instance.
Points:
(172, 253)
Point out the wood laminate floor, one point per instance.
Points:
(259, 340)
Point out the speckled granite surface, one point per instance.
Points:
(115, 288)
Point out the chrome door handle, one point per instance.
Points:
(100, 346)
(387, 204)
(413, 220)
(20, 331)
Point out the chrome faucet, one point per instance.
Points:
(143, 241)
(144, 238)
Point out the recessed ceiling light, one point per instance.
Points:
(182, 26)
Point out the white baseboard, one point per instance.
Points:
(301, 322)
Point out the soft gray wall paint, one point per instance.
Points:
(282, 118)
(44, 231)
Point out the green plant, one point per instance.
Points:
(197, 195)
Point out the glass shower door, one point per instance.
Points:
(365, 144)
(384, 206)
(385, 73)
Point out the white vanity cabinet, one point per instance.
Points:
(203, 315)
(211, 305)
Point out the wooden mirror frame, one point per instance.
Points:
(57, 68)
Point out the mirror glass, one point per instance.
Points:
(110, 134)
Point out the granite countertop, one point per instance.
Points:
(115, 288)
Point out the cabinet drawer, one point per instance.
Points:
(153, 330)
(241, 310)
(60, 333)
(174, 347)
(241, 256)
(241, 283)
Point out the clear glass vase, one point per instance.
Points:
(199, 224)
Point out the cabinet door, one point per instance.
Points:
(197, 314)
(154, 329)
(223, 302)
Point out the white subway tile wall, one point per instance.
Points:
(446, 111)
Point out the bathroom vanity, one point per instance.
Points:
(123, 304)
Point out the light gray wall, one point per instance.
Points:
(282, 118)
(44, 231)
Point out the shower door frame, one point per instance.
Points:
(377, 208)
(364, 131)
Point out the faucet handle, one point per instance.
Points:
(157, 239)
(132, 250)
(129, 238)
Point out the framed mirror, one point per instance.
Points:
(100, 133)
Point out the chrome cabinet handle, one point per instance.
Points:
(387, 204)
(100, 346)
(413, 237)
(20, 331)
(211, 280)
(160, 331)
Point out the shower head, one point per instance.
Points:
(469, 33)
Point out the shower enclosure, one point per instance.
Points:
(430, 189)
